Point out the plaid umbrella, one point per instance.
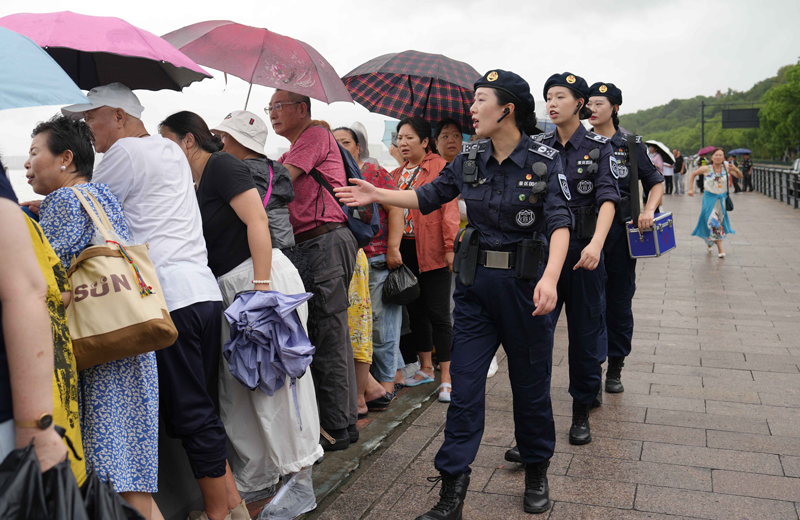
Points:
(413, 83)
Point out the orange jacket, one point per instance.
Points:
(435, 232)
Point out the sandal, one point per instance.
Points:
(381, 403)
(444, 395)
(721, 255)
(416, 382)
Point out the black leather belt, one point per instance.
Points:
(497, 259)
(317, 231)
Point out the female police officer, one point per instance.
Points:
(589, 178)
(604, 102)
(515, 204)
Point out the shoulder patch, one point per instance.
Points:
(596, 137)
(614, 166)
(562, 180)
(544, 150)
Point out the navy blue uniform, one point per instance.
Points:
(620, 267)
(582, 291)
(497, 308)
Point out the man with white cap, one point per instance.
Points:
(152, 179)
(244, 136)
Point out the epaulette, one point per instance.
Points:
(541, 137)
(597, 137)
(480, 145)
(543, 149)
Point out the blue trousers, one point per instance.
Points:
(386, 321)
(620, 287)
(497, 309)
(583, 294)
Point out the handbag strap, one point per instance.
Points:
(97, 214)
(269, 189)
(633, 155)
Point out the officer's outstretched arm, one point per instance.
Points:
(545, 295)
(362, 193)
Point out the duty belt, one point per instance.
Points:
(497, 259)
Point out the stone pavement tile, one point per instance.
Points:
(715, 394)
(791, 380)
(648, 432)
(567, 511)
(789, 427)
(433, 416)
(672, 358)
(497, 436)
(592, 492)
(704, 372)
(655, 401)
(663, 379)
(758, 348)
(561, 393)
(778, 387)
(417, 473)
(644, 335)
(665, 354)
(430, 452)
(512, 475)
(712, 458)
(351, 503)
(391, 496)
(599, 447)
(791, 465)
(782, 399)
(762, 366)
(700, 504)
(753, 442)
(759, 486)
(385, 515)
(485, 506)
(751, 410)
(672, 331)
(609, 412)
(640, 472)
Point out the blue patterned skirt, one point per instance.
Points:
(119, 422)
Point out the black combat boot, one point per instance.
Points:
(598, 401)
(614, 375)
(537, 492)
(451, 498)
(579, 433)
(512, 455)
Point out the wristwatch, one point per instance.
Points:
(43, 422)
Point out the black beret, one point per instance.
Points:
(508, 82)
(575, 83)
(608, 90)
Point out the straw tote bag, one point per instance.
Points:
(117, 308)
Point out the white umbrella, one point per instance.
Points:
(663, 150)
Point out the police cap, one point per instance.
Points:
(608, 90)
(508, 82)
(567, 79)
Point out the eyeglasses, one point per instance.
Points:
(277, 107)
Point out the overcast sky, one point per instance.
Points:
(680, 48)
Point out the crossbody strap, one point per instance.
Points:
(269, 189)
(633, 155)
(97, 214)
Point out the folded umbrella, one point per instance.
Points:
(262, 57)
(740, 151)
(707, 149)
(412, 83)
(663, 151)
(268, 342)
(31, 77)
(98, 50)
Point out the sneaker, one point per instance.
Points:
(492, 368)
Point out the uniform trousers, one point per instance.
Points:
(620, 287)
(497, 310)
(582, 292)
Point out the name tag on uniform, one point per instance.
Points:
(525, 184)
(584, 162)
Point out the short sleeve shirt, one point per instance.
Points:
(313, 206)
(379, 178)
(6, 412)
(678, 164)
(224, 177)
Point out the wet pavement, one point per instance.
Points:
(708, 425)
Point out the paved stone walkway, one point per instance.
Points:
(708, 426)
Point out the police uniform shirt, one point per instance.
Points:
(648, 173)
(585, 188)
(501, 204)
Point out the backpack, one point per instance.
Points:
(363, 221)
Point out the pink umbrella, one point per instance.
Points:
(707, 149)
(98, 50)
(261, 56)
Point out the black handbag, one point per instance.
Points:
(401, 286)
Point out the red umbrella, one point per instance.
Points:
(413, 83)
(98, 50)
(261, 56)
(707, 149)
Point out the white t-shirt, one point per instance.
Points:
(152, 180)
(669, 170)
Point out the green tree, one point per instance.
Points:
(780, 117)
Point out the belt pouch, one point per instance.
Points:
(530, 254)
(467, 256)
(624, 210)
(586, 222)
(456, 247)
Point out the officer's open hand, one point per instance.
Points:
(590, 257)
(360, 193)
(646, 220)
(545, 296)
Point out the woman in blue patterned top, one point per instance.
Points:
(119, 399)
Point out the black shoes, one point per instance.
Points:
(513, 455)
(537, 492)
(579, 433)
(614, 375)
(598, 401)
(352, 431)
(451, 498)
(335, 440)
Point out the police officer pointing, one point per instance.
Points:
(604, 102)
(508, 260)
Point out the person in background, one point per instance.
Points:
(330, 248)
(234, 223)
(747, 172)
(26, 344)
(427, 249)
(447, 135)
(732, 160)
(363, 147)
(668, 171)
(655, 157)
(679, 170)
(701, 161)
(376, 382)
(119, 396)
(244, 136)
(144, 172)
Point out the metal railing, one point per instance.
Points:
(778, 183)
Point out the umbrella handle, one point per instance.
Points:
(246, 101)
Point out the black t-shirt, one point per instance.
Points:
(678, 164)
(224, 177)
(6, 411)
